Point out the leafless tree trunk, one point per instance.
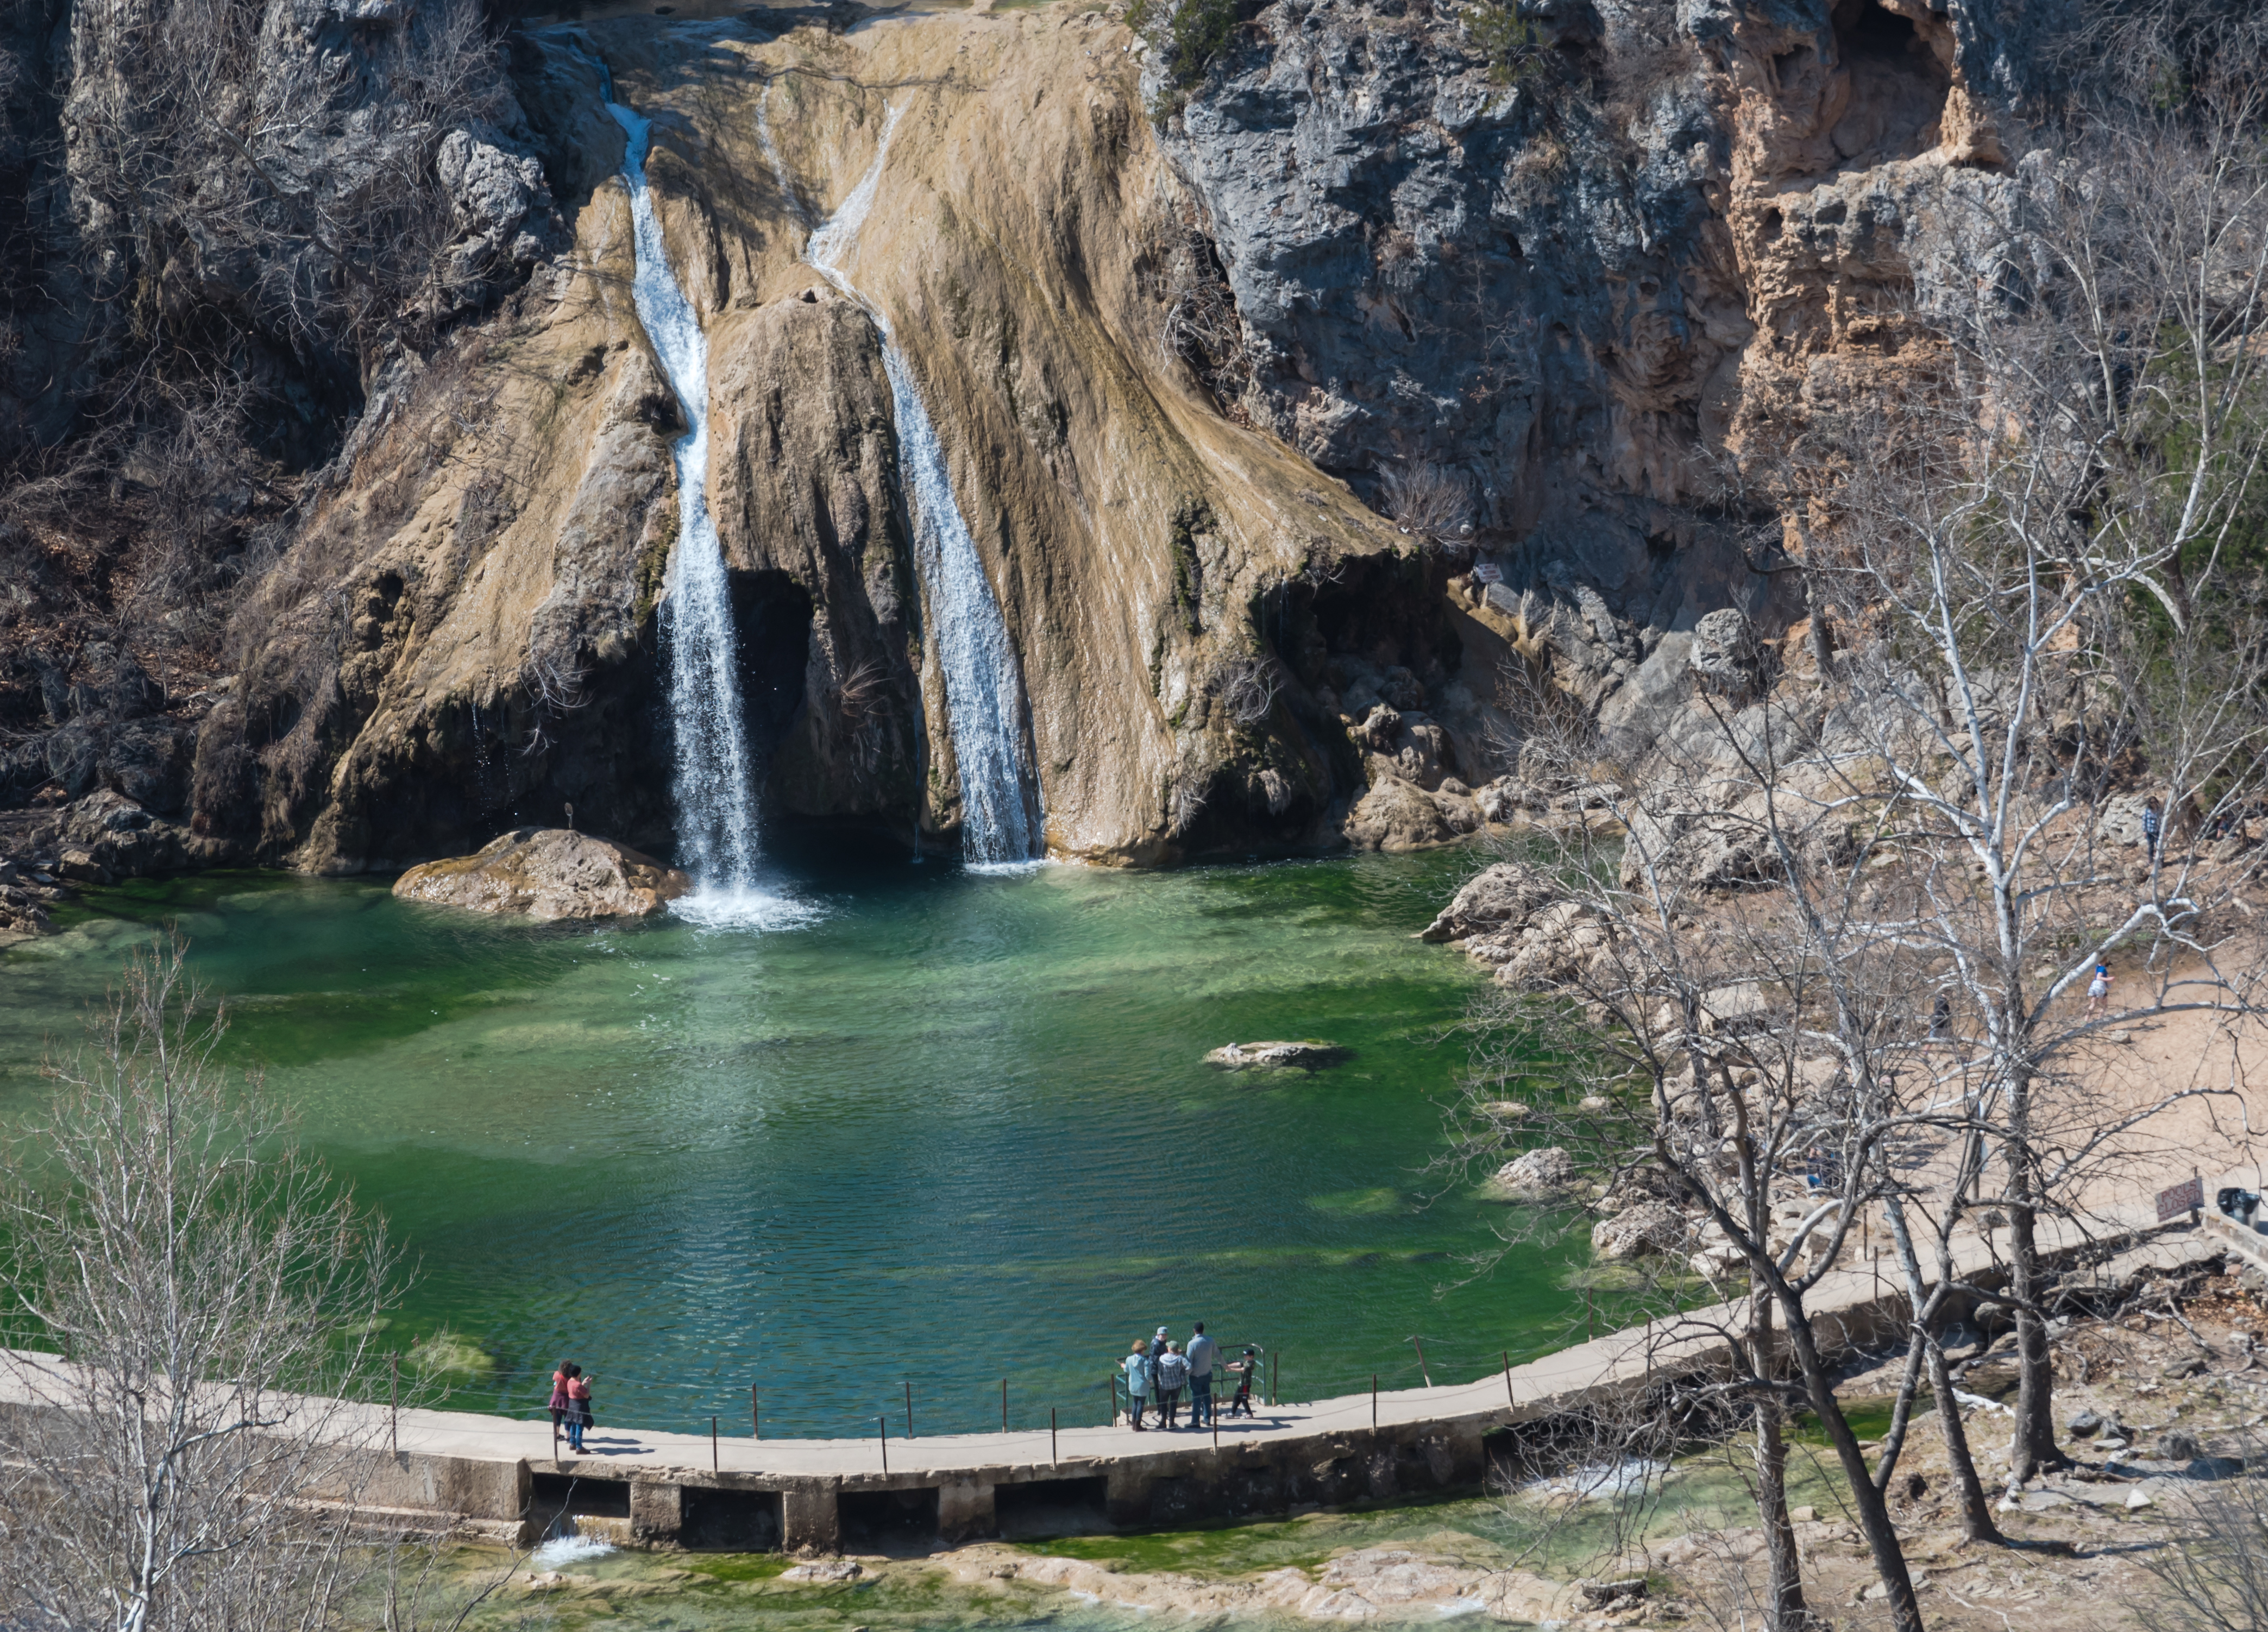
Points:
(1783, 1606)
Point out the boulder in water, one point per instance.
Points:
(1537, 1175)
(548, 873)
(1308, 1055)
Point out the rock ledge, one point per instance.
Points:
(547, 873)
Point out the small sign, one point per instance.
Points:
(2182, 1198)
(1488, 573)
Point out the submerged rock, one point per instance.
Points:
(548, 873)
(1308, 1055)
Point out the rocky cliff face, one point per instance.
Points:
(1183, 344)
(498, 529)
(221, 221)
(1587, 286)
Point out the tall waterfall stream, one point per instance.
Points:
(713, 785)
(983, 687)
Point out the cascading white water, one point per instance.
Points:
(712, 784)
(983, 687)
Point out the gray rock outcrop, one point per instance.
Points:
(1648, 1228)
(547, 873)
(1725, 655)
(1537, 1175)
(1497, 898)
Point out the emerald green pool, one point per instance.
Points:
(954, 1128)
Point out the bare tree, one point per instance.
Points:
(2214, 1575)
(2046, 568)
(191, 1301)
(1728, 1124)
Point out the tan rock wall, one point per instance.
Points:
(506, 509)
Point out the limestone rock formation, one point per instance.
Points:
(1498, 897)
(1514, 917)
(1183, 340)
(547, 873)
(1395, 816)
(501, 654)
(1306, 1056)
(1536, 1175)
(1637, 1232)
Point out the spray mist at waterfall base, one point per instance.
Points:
(745, 906)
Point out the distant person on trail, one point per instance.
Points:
(1202, 1351)
(2098, 990)
(1172, 1374)
(2151, 820)
(559, 1406)
(578, 1409)
(1137, 1382)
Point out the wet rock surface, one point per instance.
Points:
(547, 873)
(1308, 1055)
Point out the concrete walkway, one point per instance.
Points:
(1398, 1443)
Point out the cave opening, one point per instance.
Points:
(771, 622)
(1898, 85)
(1374, 629)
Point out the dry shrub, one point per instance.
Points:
(1432, 503)
(1245, 685)
(1202, 326)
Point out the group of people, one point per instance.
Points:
(571, 1403)
(1159, 1370)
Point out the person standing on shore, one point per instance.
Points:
(1173, 1373)
(1202, 1351)
(559, 1402)
(1137, 1382)
(578, 1409)
(1247, 1372)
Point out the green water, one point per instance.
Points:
(953, 1130)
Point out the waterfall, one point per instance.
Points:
(983, 687)
(711, 783)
